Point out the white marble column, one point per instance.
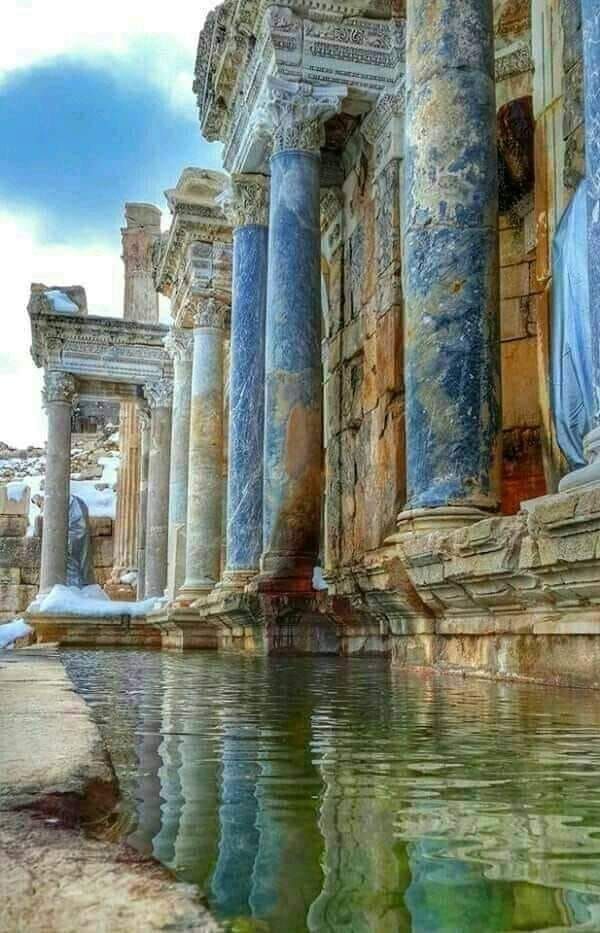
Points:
(179, 343)
(205, 479)
(143, 416)
(160, 398)
(125, 559)
(59, 392)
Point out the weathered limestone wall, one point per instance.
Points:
(364, 413)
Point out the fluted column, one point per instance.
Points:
(205, 481)
(143, 415)
(451, 265)
(160, 397)
(248, 211)
(59, 392)
(590, 475)
(179, 343)
(293, 391)
(127, 492)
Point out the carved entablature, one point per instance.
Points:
(59, 386)
(159, 394)
(108, 350)
(198, 223)
(246, 201)
(245, 43)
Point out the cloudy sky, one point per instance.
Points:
(96, 108)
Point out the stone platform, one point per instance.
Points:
(89, 631)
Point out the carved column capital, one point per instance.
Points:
(58, 387)
(179, 343)
(209, 312)
(160, 393)
(294, 113)
(143, 417)
(246, 201)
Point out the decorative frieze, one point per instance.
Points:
(295, 112)
(159, 394)
(58, 387)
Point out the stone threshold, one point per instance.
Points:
(59, 870)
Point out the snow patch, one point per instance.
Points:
(60, 302)
(11, 631)
(90, 601)
(100, 498)
(318, 581)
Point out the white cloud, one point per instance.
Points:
(99, 270)
(38, 31)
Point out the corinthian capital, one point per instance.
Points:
(246, 201)
(58, 387)
(295, 112)
(209, 312)
(160, 393)
(179, 343)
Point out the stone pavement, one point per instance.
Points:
(56, 779)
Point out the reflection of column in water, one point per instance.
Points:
(197, 838)
(287, 872)
(168, 773)
(238, 842)
(365, 873)
(147, 742)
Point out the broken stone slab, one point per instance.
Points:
(14, 499)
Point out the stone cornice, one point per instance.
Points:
(246, 201)
(159, 394)
(100, 348)
(59, 386)
(245, 42)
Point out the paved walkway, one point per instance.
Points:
(54, 877)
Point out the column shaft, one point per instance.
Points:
(158, 491)
(144, 420)
(127, 491)
(246, 412)
(205, 481)
(591, 59)
(59, 391)
(179, 343)
(293, 416)
(452, 345)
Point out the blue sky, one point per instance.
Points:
(88, 119)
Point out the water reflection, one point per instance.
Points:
(337, 795)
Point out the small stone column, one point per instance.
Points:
(143, 415)
(179, 343)
(160, 398)
(59, 392)
(125, 558)
(452, 348)
(293, 386)
(140, 302)
(205, 480)
(248, 210)
(590, 475)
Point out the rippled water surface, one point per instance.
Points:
(338, 795)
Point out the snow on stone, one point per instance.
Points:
(90, 601)
(16, 491)
(60, 302)
(318, 581)
(100, 498)
(11, 631)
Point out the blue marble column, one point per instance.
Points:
(452, 344)
(248, 209)
(590, 475)
(293, 391)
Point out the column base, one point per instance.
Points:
(190, 592)
(587, 477)
(235, 581)
(283, 573)
(444, 518)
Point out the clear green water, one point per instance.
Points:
(338, 795)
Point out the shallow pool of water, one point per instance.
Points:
(339, 795)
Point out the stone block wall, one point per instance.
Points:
(364, 408)
(19, 559)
